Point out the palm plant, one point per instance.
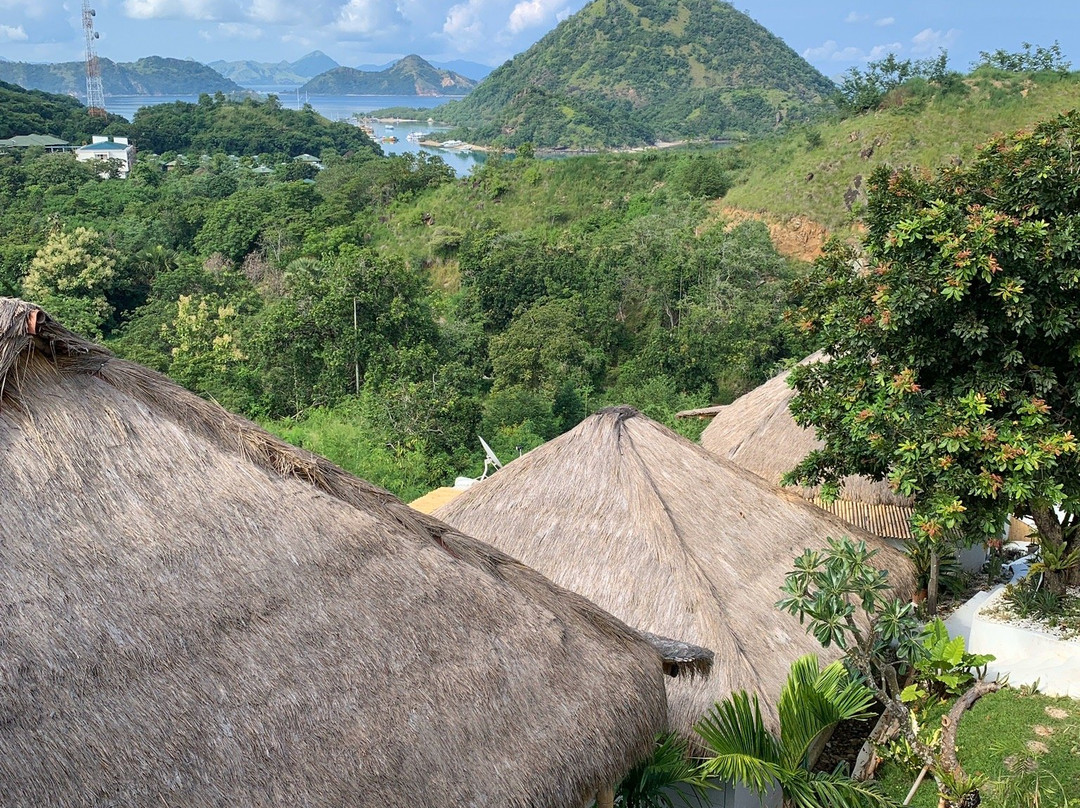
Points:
(812, 702)
(654, 782)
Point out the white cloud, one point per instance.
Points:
(9, 33)
(832, 51)
(530, 13)
(275, 11)
(180, 9)
(237, 30)
(856, 17)
(881, 51)
(928, 40)
(368, 17)
(884, 21)
(464, 22)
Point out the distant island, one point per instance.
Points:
(411, 75)
(266, 74)
(153, 75)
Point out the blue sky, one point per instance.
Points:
(833, 35)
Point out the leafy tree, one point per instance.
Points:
(69, 277)
(206, 353)
(545, 348)
(955, 344)
(862, 90)
(1041, 59)
(812, 702)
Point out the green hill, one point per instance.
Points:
(409, 76)
(33, 112)
(819, 173)
(620, 73)
(154, 75)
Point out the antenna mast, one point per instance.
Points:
(95, 95)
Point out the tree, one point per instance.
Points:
(69, 277)
(954, 345)
(812, 702)
(1042, 59)
(847, 603)
(862, 90)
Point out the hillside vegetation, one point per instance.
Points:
(820, 172)
(30, 112)
(621, 73)
(408, 76)
(154, 75)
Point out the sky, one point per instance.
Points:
(833, 35)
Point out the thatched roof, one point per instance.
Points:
(433, 499)
(758, 432)
(668, 537)
(195, 613)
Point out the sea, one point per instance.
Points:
(349, 108)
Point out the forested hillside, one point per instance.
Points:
(619, 73)
(30, 112)
(508, 304)
(384, 313)
(408, 76)
(242, 128)
(154, 75)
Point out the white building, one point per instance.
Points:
(104, 149)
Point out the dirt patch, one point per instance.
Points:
(797, 237)
(1057, 712)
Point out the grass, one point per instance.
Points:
(1002, 737)
(807, 173)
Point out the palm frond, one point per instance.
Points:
(650, 783)
(745, 751)
(838, 791)
(812, 702)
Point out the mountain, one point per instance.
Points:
(261, 74)
(620, 73)
(409, 76)
(472, 70)
(153, 75)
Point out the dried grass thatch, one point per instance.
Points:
(668, 537)
(432, 500)
(195, 613)
(758, 432)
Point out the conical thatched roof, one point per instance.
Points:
(758, 432)
(668, 537)
(194, 613)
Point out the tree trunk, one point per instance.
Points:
(1052, 534)
(605, 797)
(932, 584)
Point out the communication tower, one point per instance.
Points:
(95, 95)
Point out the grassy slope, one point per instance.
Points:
(1007, 725)
(943, 129)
